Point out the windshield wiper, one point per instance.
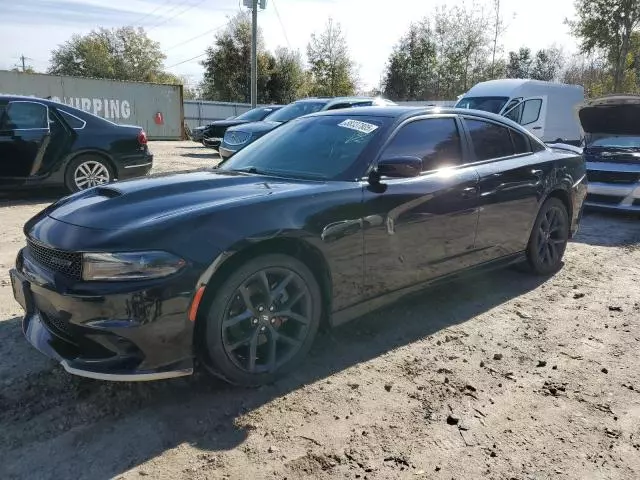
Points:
(252, 170)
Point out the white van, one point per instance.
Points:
(546, 109)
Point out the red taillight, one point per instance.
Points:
(142, 137)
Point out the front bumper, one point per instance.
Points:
(212, 142)
(614, 186)
(132, 334)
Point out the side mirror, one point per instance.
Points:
(399, 167)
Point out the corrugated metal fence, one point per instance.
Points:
(157, 108)
(202, 112)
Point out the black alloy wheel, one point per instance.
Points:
(263, 320)
(549, 238)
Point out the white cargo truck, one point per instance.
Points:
(548, 110)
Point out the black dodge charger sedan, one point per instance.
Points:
(48, 143)
(331, 215)
(214, 132)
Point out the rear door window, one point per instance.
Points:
(520, 142)
(490, 140)
(73, 121)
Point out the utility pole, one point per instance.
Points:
(23, 60)
(253, 5)
(254, 54)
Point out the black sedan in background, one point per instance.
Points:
(212, 134)
(327, 217)
(49, 143)
(239, 137)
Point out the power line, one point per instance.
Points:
(146, 15)
(284, 31)
(194, 38)
(188, 7)
(187, 60)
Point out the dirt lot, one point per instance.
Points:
(504, 376)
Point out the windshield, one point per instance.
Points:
(322, 147)
(254, 115)
(613, 141)
(295, 110)
(487, 104)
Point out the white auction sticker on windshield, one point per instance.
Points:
(357, 125)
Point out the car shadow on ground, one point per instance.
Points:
(609, 229)
(31, 196)
(206, 154)
(50, 414)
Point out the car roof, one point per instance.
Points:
(29, 98)
(398, 111)
(337, 99)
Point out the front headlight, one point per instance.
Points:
(129, 265)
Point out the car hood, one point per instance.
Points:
(256, 127)
(149, 201)
(617, 115)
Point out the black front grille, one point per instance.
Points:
(612, 177)
(67, 263)
(608, 199)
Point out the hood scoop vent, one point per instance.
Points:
(109, 192)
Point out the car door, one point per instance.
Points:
(24, 136)
(531, 114)
(510, 185)
(422, 227)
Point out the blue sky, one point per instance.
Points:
(34, 27)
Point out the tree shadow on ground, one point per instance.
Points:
(49, 414)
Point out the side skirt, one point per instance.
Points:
(362, 308)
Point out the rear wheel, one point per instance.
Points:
(262, 321)
(87, 171)
(549, 238)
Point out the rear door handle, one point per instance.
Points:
(469, 192)
(536, 128)
(537, 173)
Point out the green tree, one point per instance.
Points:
(520, 63)
(411, 68)
(287, 80)
(590, 71)
(332, 70)
(444, 55)
(608, 25)
(547, 64)
(227, 75)
(124, 53)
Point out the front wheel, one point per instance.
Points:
(549, 238)
(262, 321)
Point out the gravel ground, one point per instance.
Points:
(506, 376)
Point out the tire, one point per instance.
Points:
(549, 238)
(91, 169)
(246, 342)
